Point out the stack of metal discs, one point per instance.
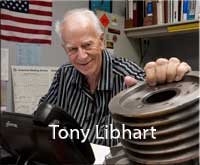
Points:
(170, 110)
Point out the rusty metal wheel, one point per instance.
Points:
(173, 110)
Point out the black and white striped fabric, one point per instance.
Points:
(70, 91)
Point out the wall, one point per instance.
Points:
(184, 46)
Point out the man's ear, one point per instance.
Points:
(102, 41)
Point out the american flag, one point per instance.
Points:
(26, 21)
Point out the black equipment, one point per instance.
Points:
(29, 139)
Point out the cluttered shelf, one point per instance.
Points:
(163, 29)
(152, 18)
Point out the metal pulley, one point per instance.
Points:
(172, 109)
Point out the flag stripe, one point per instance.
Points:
(41, 3)
(25, 20)
(39, 12)
(25, 35)
(22, 25)
(24, 30)
(43, 8)
(27, 40)
(28, 16)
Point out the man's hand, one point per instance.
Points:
(162, 71)
(130, 81)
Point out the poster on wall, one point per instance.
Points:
(30, 83)
(4, 63)
(28, 54)
(4, 77)
(4, 95)
(105, 5)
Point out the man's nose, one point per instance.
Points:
(82, 53)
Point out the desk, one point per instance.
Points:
(100, 153)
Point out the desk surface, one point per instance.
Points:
(100, 152)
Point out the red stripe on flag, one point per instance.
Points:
(41, 3)
(39, 12)
(19, 39)
(24, 30)
(25, 20)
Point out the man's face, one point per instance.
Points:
(84, 48)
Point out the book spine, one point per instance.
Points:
(130, 7)
(148, 19)
(197, 10)
(154, 7)
(185, 9)
(191, 10)
(165, 11)
(175, 11)
(179, 10)
(140, 11)
(135, 14)
(159, 12)
(149, 8)
(171, 11)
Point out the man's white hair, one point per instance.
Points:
(83, 12)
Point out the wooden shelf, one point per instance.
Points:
(162, 30)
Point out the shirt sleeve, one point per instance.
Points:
(128, 68)
(135, 70)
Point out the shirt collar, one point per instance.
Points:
(106, 80)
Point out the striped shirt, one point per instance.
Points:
(69, 90)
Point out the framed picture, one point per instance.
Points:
(105, 5)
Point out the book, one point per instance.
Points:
(175, 11)
(149, 8)
(165, 11)
(135, 14)
(141, 12)
(171, 11)
(191, 10)
(160, 11)
(180, 8)
(154, 12)
(185, 9)
(148, 19)
(130, 9)
(197, 10)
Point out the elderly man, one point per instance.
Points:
(84, 87)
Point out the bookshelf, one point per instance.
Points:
(153, 18)
(163, 29)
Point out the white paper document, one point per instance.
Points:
(4, 64)
(3, 99)
(30, 83)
